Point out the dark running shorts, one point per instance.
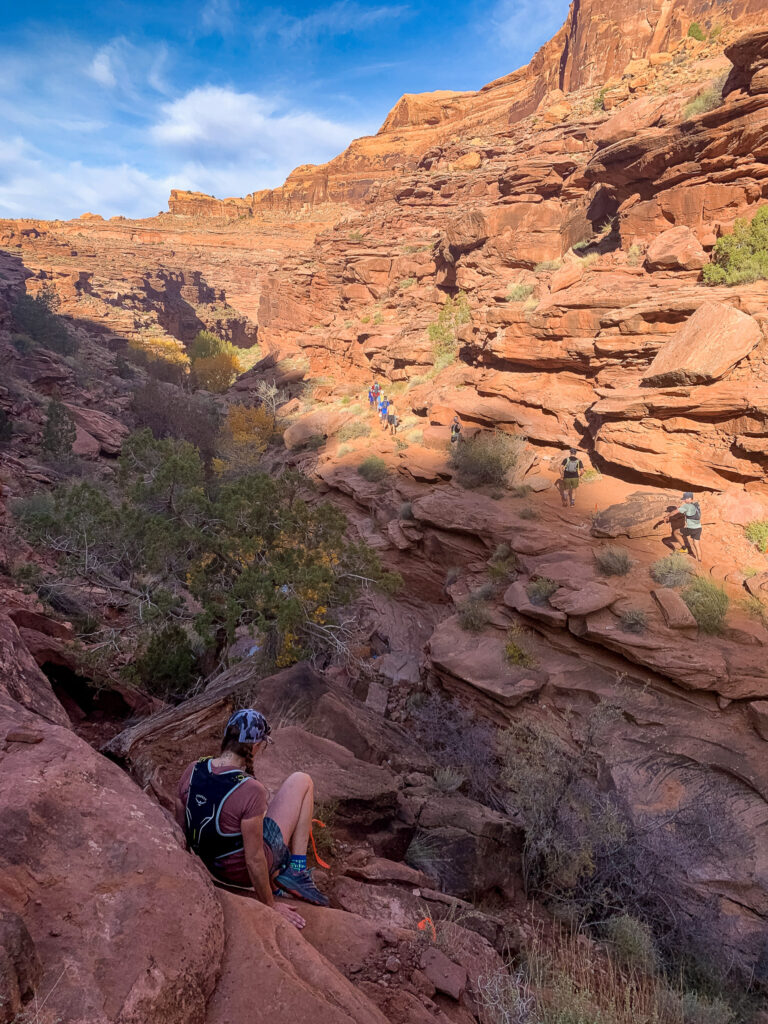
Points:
(694, 534)
(273, 837)
(390, 418)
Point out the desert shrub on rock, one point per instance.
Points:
(215, 361)
(161, 356)
(756, 533)
(36, 317)
(166, 664)
(372, 469)
(634, 620)
(455, 739)
(473, 614)
(742, 256)
(708, 603)
(672, 570)
(486, 458)
(351, 431)
(540, 590)
(613, 560)
(443, 331)
(245, 434)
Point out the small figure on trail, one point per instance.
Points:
(371, 397)
(376, 391)
(245, 839)
(391, 419)
(571, 469)
(689, 536)
(455, 430)
(383, 407)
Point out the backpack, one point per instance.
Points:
(571, 464)
(697, 506)
(207, 792)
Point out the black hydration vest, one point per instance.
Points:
(208, 790)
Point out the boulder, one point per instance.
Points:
(676, 249)
(447, 976)
(584, 600)
(104, 430)
(516, 596)
(125, 922)
(567, 275)
(705, 348)
(636, 516)
(321, 423)
(22, 680)
(270, 973)
(634, 116)
(676, 612)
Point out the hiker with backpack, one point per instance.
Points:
(571, 470)
(689, 536)
(455, 430)
(246, 840)
(383, 408)
(392, 419)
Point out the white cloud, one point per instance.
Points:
(226, 128)
(344, 17)
(101, 69)
(526, 24)
(34, 185)
(217, 16)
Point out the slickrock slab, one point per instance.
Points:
(584, 601)
(705, 348)
(676, 612)
(516, 597)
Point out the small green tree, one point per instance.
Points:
(695, 31)
(35, 316)
(59, 432)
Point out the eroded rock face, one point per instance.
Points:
(88, 860)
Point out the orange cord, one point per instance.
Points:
(316, 821)
(426, 922)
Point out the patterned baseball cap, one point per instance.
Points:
(254, 728)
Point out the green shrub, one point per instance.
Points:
(539, 591)
(634, 620)
(528, 513)
(373, 469)
(754, 606)
(502, 563)
(169, 412)
(672, 570)
(707, 99)
(591, 475)
(708, 603)
(515, 653)
(407, 282)
(22, 343)
(59, 432)
(695, 31)
(166, 665)
(546, 265)
(756, 533)
(443, 331)
(353, 430)
(742, 256)
(599, 103)
(448, 780)
(35, 316)
(631, 942)
(486, 458)
(473, 614)
(634, 256)
(519, 292)
(314, 442)
(613, 560)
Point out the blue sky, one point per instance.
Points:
(107, 106)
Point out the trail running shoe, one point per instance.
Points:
(300, 885)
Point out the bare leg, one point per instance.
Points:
(696, 545)
(292, 809)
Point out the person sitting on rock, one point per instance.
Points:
(571, 470)
(455, 430)
(689, 537)
(244, 839)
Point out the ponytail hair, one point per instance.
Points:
(232, 743)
